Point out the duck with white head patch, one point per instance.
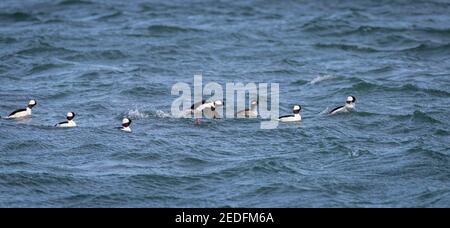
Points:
(349, 105)
(126, 122)
(23, 113)
(292, 118)
(249, 112)
(69, 123)
(207, 106)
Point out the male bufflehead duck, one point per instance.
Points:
(126, 125)
(250, 112)
(207, 106)
(22, 113)
(292, 118)
(69, 123)
(349, 105)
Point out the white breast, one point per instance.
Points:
(126, 129)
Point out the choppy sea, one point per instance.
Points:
(108, 59)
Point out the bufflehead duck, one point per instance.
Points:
(349, 105)
(251, 112)
(126, 125)
(69, 123)
(292, 118)
(191, 110)
(22, 113)
(207, 106)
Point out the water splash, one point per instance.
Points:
(137, 114)
(162, 114)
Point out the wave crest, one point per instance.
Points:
(321, 78)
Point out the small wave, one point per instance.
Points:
(365, 114)
(269, 165)
(61, 94)
(365, 30)
(259, 166)
(441, 132)
(364, 86)
(52, 21)
(321, 24)
(192, 162)
(89, 76)
(301, 82)
(371, 29)
(110, 54)
(43, 47)
(380, 70)
(28, 145)
(347, 47)
(321, 78)
(439, 31)
(14, 163)
(368, 30)
(75, 2)
(93, 67)
(99, 54)
(140, 157)
(109, 16)
(278, 72)
(430, 153)
(42, 67)
(95, 107)
(16, 17)
(435, 92)
(30, 180)
(292, 62)
(148, 90)
(7, 40)
(170, 29)
(89, 147)
(429, 48)
(423, 117)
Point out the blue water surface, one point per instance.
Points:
(108, 59)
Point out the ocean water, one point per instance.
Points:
(109, 59)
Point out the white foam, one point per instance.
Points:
(162, 114)
(136, 114)
(320, 78)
